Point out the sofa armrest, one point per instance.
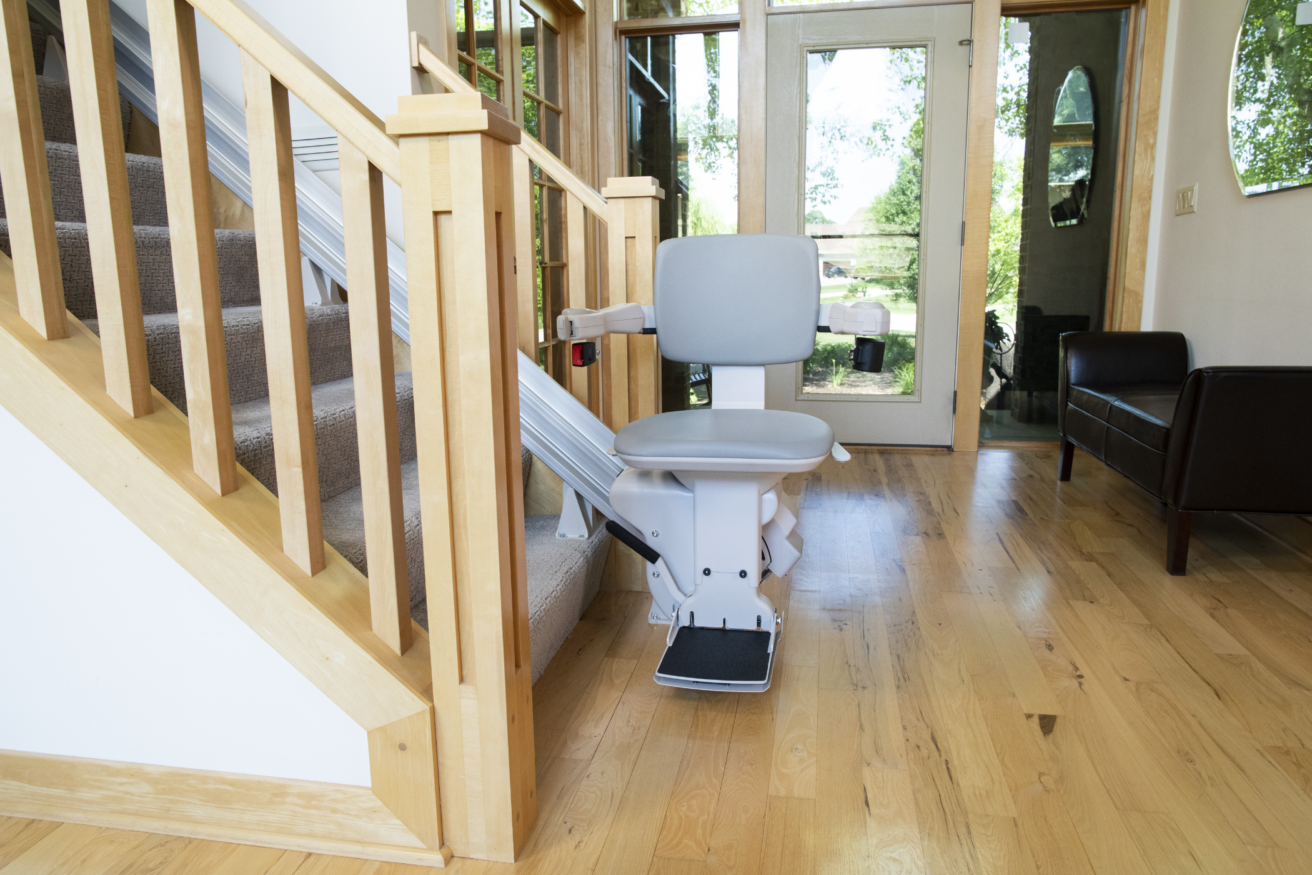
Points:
(1118, 358)
(1240, 441)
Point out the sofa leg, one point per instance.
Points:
(1065, 456)
(1177, 539)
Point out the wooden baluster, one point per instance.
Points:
(459, 232)
(526, 261)
(576, 285)
(633, 374)
(191, 237)
(365, 228)
(27, 181)
(282, 302)
(93, 83)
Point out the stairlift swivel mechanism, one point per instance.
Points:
(701, 499)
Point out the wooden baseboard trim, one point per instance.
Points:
(244, 809)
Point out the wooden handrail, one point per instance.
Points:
(423, 58)
(323, 94)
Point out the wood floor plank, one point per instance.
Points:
(1046, 829)
(841, 844)
(940, 810)
(578, 837)
(892, 830)
(55, 851)
(977, 773)
(1107, 841)
(793, 771)
(999, 846)
(19, 834)
(740, 810)
(594, 711)
(631, 839)
(789, 844)
(1163, 846)
(250, 860)
(686, 832)
(1215, 842)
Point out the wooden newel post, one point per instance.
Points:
(632, 383)
(457, 191)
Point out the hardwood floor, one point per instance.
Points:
(982, 671)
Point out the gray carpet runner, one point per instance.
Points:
(564, 575)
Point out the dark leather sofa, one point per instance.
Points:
(1221, 439)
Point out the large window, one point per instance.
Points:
(480, 58)
(677, 8)
(682, 114)
(1271, 97)
(542, 72)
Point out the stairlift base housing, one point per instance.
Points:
(702, 490)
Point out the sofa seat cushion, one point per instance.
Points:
(1141, 410)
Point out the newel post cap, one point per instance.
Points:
(426, 114)
(633, 186)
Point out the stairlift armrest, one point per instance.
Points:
(577, 324)
(865, 318)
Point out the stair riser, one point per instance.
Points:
(145, 187)
(329, 340)
(57, 105)
(239, 281)
(336, 441)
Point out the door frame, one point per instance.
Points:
(941, 30)
(1130, 250)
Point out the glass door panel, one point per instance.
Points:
(864, 159)
(865, 153)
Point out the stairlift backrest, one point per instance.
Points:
(737, 299)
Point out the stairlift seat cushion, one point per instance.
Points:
(737, 299)
(774, 440)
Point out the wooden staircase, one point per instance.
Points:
(449, 717)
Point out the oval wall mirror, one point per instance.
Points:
(1070, 157)
(1271, 98)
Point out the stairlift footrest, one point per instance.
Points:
(706, 658)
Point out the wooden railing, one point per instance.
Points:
(629, 384)
(469, 311)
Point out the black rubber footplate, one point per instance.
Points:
(718, 655)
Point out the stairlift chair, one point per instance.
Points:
(699, 499)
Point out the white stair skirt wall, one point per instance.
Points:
(110, 650)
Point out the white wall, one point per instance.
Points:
(1235, 277)
(110, 650)
(364, 46)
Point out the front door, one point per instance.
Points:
(866, 153)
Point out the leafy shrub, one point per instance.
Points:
(904, 378)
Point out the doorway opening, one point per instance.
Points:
(1059, 161)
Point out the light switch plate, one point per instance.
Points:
(1303, 13)
(1186, 200)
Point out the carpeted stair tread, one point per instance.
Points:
(239, 280)
(328, 331)
(145, 186)
(563, 575)
(335, 437)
